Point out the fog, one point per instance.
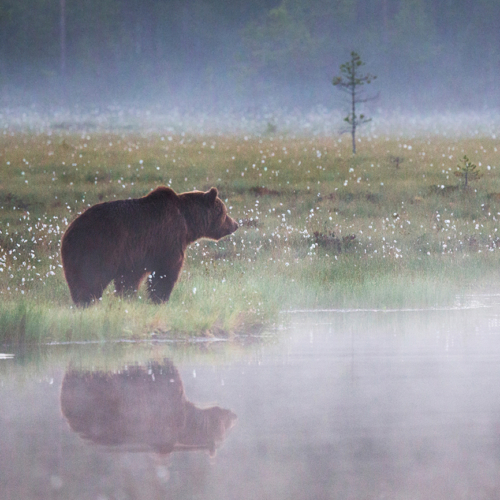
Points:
(352, 404)
(258, 60)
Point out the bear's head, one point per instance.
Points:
(206, 215)
(206, 428)
(219, 223)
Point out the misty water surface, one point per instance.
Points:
(347, 405)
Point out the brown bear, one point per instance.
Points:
(127, 239)
(141, 409)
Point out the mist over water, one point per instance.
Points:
(354, 404)
(267, 122)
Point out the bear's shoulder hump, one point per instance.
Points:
(162, 193)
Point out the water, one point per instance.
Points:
(341, 405)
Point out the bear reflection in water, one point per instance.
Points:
(140, 409)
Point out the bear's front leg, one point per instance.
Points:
(161, 283)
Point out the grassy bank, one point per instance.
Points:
(390, 227)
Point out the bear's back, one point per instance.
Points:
(135, 213)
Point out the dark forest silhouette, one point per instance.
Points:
(424, 52)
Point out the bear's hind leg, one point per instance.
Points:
(83, 294)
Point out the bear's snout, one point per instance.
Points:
(228, 227)
(234, 225)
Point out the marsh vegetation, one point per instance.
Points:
(319, 227)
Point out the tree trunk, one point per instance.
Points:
(353, 113)
(63, 40)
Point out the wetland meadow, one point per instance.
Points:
(390, 227)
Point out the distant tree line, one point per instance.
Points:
(420, 49)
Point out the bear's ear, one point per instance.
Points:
(211, 195)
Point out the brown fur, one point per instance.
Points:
(126, 240)
(141, 408)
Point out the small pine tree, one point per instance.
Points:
(468, 171)
(350, 82)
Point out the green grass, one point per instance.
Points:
(319, 228)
